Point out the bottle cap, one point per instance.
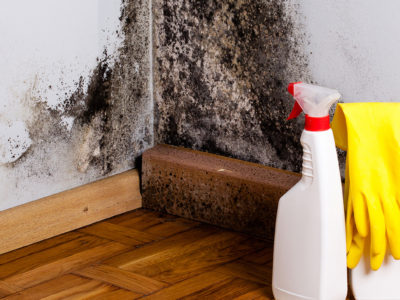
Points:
(315, 101)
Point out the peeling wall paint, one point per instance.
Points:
(74, 93)
(221, 71)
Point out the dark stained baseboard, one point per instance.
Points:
(214, 189)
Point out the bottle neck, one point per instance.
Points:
(317, 124)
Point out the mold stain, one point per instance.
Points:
(221, 71)
(14, 141)
(99, 92)
(103, 128)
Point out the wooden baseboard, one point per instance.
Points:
(214, 189)
(69, 210)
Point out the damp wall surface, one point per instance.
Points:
(78, 78)
(220, 74)
(75, 101)
(221, 69)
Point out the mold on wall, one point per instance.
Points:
(84, 115)
(220, 70)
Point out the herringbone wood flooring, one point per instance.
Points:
(140, 254)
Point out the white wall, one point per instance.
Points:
(353, 46)
(46, 46)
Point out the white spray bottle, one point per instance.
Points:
(310, 242)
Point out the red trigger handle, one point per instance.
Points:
(296, 108)
(295, 111)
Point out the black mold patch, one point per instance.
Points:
(221, 72)
(112, 118)
(99, 92)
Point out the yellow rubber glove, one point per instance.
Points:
(370, 133)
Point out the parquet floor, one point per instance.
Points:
(140, 254)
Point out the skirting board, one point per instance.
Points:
(69, 210)
(214, 189)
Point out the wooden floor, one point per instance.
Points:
(140, 254)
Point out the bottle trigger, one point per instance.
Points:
(295, 111)
(296, 108)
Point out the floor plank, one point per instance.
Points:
(37, 247)
(117, 294)
(261, 293)
(167, 248)
(246, 270)
(123, 279)
(228, 289)
(140, 254)
(141, 222)
(58, 251)
(127, 216)
(172, 226)
(261, 257)
(120, 234)
(72, 286)
(200, 260)
(8, 289)
(87, 290)
(65, 265)
(51, 287)
(190, 286)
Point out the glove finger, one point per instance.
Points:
(378, 232)
(356, 250)
(350, 225)
(392, 220)
(398, 199)
(377, 259)
(361, 216)
(346, 184)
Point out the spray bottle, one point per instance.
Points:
(310, 243)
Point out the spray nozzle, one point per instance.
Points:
(314, 100)
(296, 110)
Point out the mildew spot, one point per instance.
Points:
(14, 141)
(221, 72)
(99, 92)
(106, 122)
